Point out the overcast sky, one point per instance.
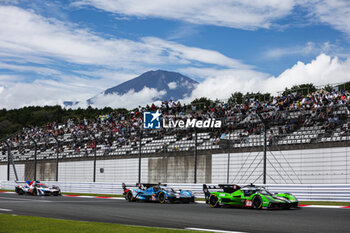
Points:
(52, 51)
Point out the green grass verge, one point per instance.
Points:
(5, 190)
(17, 224)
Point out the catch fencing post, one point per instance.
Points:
(228, 158)
(140, 150)
(35, 155)
(95, 154)
(265, 144)
(57, 153)
(195, 155)
(8, 160)
(265, 148)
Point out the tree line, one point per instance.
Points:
(12, 121)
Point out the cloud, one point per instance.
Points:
(28, 68)
(64, 55)
(249, 15)
(220, 84)
(184, 54)
(40, 92)
(17, 92)
(172, 85)
(294, 50)
(310, 48)
(322, 70)
(333, 12)
(128, 100)
(25, 33)
(217, 84)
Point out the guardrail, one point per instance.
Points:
(304, 192)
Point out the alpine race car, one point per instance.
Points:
(156, 192)
(251, 196)
(36, 188)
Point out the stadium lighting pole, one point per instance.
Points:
(35, 155)
(195, 155)
(140, 147)
(57, 152)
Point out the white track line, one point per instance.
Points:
(21, 199)
(212, 230)
(325, 206)
(6, 210)
(98, 197)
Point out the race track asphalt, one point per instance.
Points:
(180, 216)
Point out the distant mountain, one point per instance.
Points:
(176, 85)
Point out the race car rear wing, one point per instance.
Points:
(141, 185)
(227, 188)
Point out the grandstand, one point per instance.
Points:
(316, 120)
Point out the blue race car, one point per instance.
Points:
(156, 192)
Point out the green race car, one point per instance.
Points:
(250, 196)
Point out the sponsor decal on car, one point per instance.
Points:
(248, 203)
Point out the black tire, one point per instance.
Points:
(19, 191)
(161, 197)
(129, 197)
(213, 201)
(257, 202)
(193, 199)
(35, 192)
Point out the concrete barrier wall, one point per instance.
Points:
(20, 168)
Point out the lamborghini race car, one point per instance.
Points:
(36, 188)
(156, 192)
(251, 196)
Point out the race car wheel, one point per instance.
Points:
(257, 202)
(161, 197)
(129, 197)
(35, 192)
(19, 191)
(213, 201)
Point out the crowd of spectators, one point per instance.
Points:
(319, 108)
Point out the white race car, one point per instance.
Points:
(36, 188)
